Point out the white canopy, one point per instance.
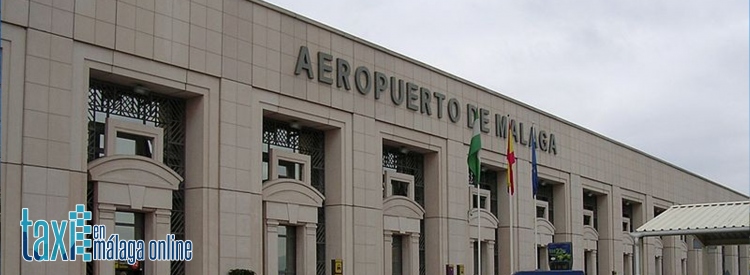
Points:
(723, 223)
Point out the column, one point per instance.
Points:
(657, 265)
(162, 226)
(608, 225)
(307, 255)
(694, 257)
(387, 252)
(106, 217)
(627, 265)
(591, 268)
(411, 263)
(743, 260)
(272, 255)
(544, 258)
(490, 258)
(730, 259)
(712, 260)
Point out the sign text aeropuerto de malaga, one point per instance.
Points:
(417, 99)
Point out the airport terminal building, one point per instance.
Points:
(283, 146)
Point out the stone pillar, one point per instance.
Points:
(106, 217)
(272, 255)
(387, 252)
(657, 265)
(306, 256)
(592, 258)
(712, 260)
(669, 261)
(609, 217)
(743, 260)
(489, 259)
(730, 259)
(162, 227)
(576, 220)
(694, 257)
(411, 263)
(544, 258)
(627, 264)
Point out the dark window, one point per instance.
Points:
(482, 201)
(658, 211)
(627, 212)
(400, 188)
(476, 257)
(487, 181)
(129, 226)
(540, 212)
(290, 170)
(410, 163)
(287, 250)
(590, 203)
(540, 258)
(281, 135)
(107, 99)
(544, 193)
(397, 254)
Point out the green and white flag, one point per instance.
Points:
(475, 165)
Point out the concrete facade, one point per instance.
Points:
(233, 64)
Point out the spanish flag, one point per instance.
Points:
(511, 159)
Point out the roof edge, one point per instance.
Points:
(640, 234)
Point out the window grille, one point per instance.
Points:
(113, 100)
(412, 164)
(308, 141)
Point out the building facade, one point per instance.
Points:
(278, 144)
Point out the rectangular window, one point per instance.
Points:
(397, 255)
(287, 249)
(488, 181)
(544, 193)
(540, 212)
(540, 258)
(290, 170)
(131, 144)
(400, 188)
(482, 201)
(129, 226)
(590, 203)
(476, 257)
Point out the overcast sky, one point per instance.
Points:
(668, 77)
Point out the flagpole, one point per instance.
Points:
(516, 175)
(479, 227)
(512, 240)
(533, 196)
(510, 200)
(475, 167)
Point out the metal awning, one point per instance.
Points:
(724, 223)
